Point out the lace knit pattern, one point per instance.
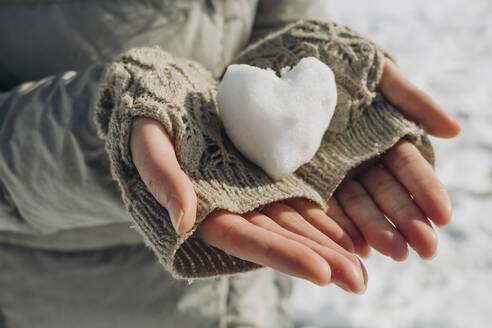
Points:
(180, 94)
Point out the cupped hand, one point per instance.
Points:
(392, 203)
(295, 237)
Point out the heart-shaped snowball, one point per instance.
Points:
(278, 123)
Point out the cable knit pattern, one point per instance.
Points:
(356, 62)
(180, 94)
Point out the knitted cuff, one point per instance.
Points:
(180, 94)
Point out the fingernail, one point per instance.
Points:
(364, 272)
(446, 201)
(362, 291)
(449, 206)
(175, 212)
(346, 288)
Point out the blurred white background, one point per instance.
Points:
(444, 47)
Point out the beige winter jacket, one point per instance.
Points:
(68, 254)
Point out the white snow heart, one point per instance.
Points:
(278, 123)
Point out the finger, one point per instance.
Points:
(371, 222)
(416, 104)
(318, 219)
(406, 163)
(338, 215)
(347, 273)
(396, 203)
(154, 157)
(288, 218)
(238, 237)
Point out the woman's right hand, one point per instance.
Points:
(295, 237)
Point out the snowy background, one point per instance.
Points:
(444, 47)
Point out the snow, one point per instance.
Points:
(278, 123)
(446, 49)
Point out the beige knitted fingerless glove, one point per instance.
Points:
(364, 124)
(180, 94)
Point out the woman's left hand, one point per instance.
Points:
(392, 203)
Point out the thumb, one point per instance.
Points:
(416, 104)
(154, 157)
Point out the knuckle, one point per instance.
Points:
(378, 181)
(293, 217)
(270, 252)
(371, 227)
(250, 216)
(403, 160)
(282, 212)
(228, 236)
(405, 212)
(271, 208)
(228, 232)
(351, 195)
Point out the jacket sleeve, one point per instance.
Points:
(54, 170)
(274, 14)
